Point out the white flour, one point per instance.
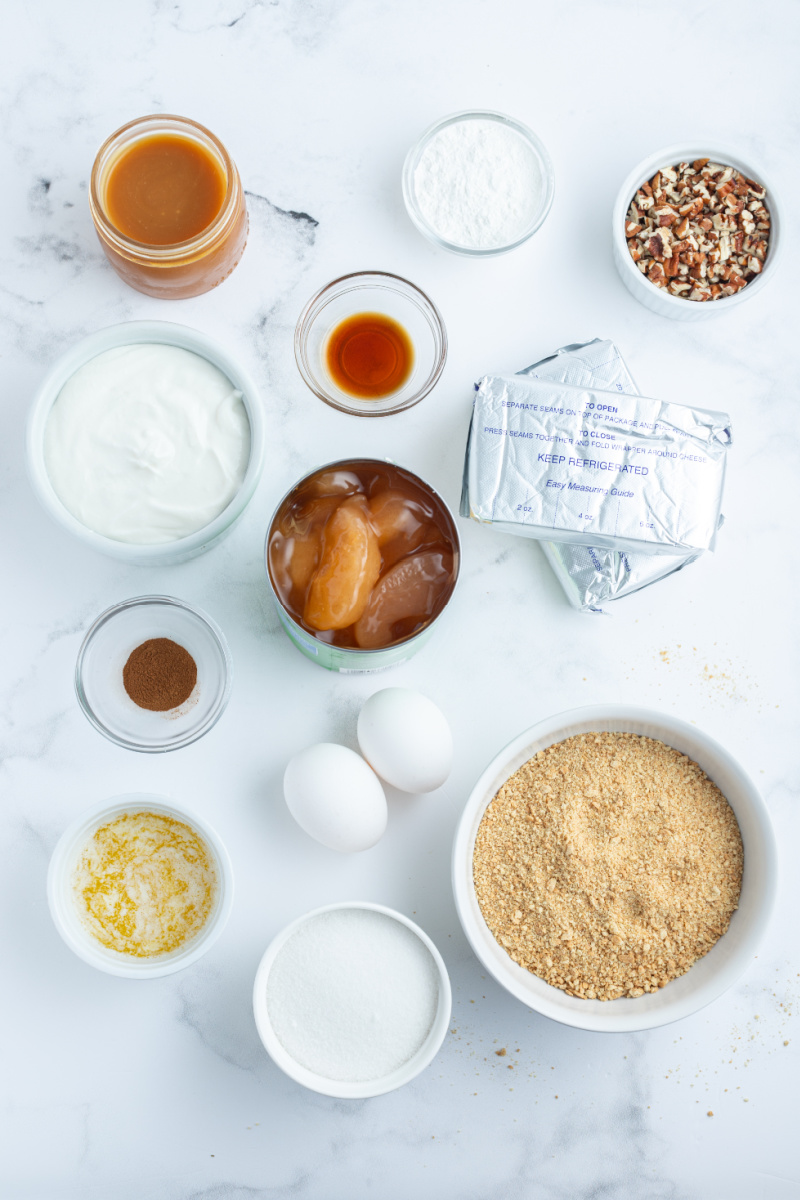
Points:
(353, 994)
(478, 184)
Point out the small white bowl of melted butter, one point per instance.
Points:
(146, 442)
(140, 886)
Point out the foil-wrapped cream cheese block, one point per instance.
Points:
(595, 364)
(559, 462)
(592, 577)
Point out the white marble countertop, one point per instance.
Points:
(162, 1090)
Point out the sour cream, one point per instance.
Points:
(147, 443)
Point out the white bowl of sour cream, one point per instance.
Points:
(146, 442)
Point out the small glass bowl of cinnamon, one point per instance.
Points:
(168, 206)
(370, 344)
(153, 674)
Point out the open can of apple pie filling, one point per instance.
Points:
(362, 558)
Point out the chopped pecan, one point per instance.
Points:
(655, 273)
(664, 214)
(656, 247)
(700, 230)
(671, 265)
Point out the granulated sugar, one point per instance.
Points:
(352, 995)
(478, 184)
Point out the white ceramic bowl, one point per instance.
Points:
(128, 334)
(711, 975)
(335, 1087)
(65, 916)
(656, 299)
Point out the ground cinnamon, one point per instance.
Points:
(159, 675)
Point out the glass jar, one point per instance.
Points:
(189, 268)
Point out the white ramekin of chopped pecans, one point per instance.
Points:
(696, 230)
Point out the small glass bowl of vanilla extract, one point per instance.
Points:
(370, 344)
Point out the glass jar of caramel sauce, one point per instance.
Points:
(168, 206)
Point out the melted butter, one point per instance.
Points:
(145, 884)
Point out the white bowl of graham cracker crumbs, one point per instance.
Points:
(633, 860)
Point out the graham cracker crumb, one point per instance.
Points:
(608, 864)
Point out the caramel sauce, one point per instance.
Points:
(164, 189)
(362, 555)
(369, 355)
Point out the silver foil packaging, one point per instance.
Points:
(590, 576)
(572, 463)
(595, 364)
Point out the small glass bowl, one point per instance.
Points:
(107, 647)
(367, 292)
(542, 158)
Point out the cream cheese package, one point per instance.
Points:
(590, 576)
(575, 464)
(595, 364)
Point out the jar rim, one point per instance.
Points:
(202, 240)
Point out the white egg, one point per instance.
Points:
(406, 739)
(335, 797)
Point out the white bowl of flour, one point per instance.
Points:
(352, 1000)
(478, 183)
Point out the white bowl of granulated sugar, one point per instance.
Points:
(614, 868)
(478, 183)
(352, 1000)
